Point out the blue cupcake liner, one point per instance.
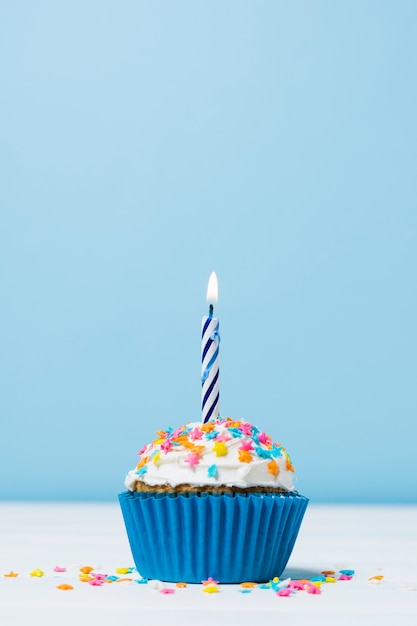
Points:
(231, 537)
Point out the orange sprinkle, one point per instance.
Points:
(180, 584)
(86, 569)
(328, 572)
(207, 427)
(273, 468)
(141, 463)
(123, 580)
(248, 585)
(85, 578)
(245, 456)
(379, 577)
(65, 587)
(11, 575)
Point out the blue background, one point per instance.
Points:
(145, 144)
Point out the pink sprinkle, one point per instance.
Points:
(166, 446)
(223, 437)
(167, 591)
(310, 588)
(210, 581)
(196, 434)
(193, 459)
(95, 582)
(264, 438)
(99, 576)
(345, 577)
(246, 445)
(60, 569)
(296, 584)
(245, 428)
(284, 592)
(142, 450)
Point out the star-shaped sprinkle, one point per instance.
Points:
(245, 456)
(196, 434)
(192, 459)
(210, 581)
(246, 428)
(246, 445)
(273, 468)
(212, 471)
(60, 569)
(11, 575)
(264, 438)
(166, 446)
(223, 437)
(220, 448)
(37, 573)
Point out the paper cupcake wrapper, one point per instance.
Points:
(231, 537)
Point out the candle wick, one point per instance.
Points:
(211, 310)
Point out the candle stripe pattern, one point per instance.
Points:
(210, 340)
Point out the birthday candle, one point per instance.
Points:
(210, 340)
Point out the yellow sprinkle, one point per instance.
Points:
(210, 588)
(156, 458)
(123, 570)
(220, 448)
(37, 572)
(331, 579)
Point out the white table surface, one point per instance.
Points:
(372, 540)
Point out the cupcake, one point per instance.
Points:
(212, 499)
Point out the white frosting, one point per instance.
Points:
(232, 453)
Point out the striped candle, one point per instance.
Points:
(210, 340)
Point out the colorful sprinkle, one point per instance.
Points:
(60, 569)
(11, 575)
(284, 592)
(212, 471)
(65, 587)
(124, 570)
(211, 588)
(192, 459)
(167, 591)
(37, 573)
(180, 585)
(210, 581)
(220, 448)
(273, 468)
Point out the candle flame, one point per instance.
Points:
(213, 288)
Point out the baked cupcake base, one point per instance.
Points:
(231, 537)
